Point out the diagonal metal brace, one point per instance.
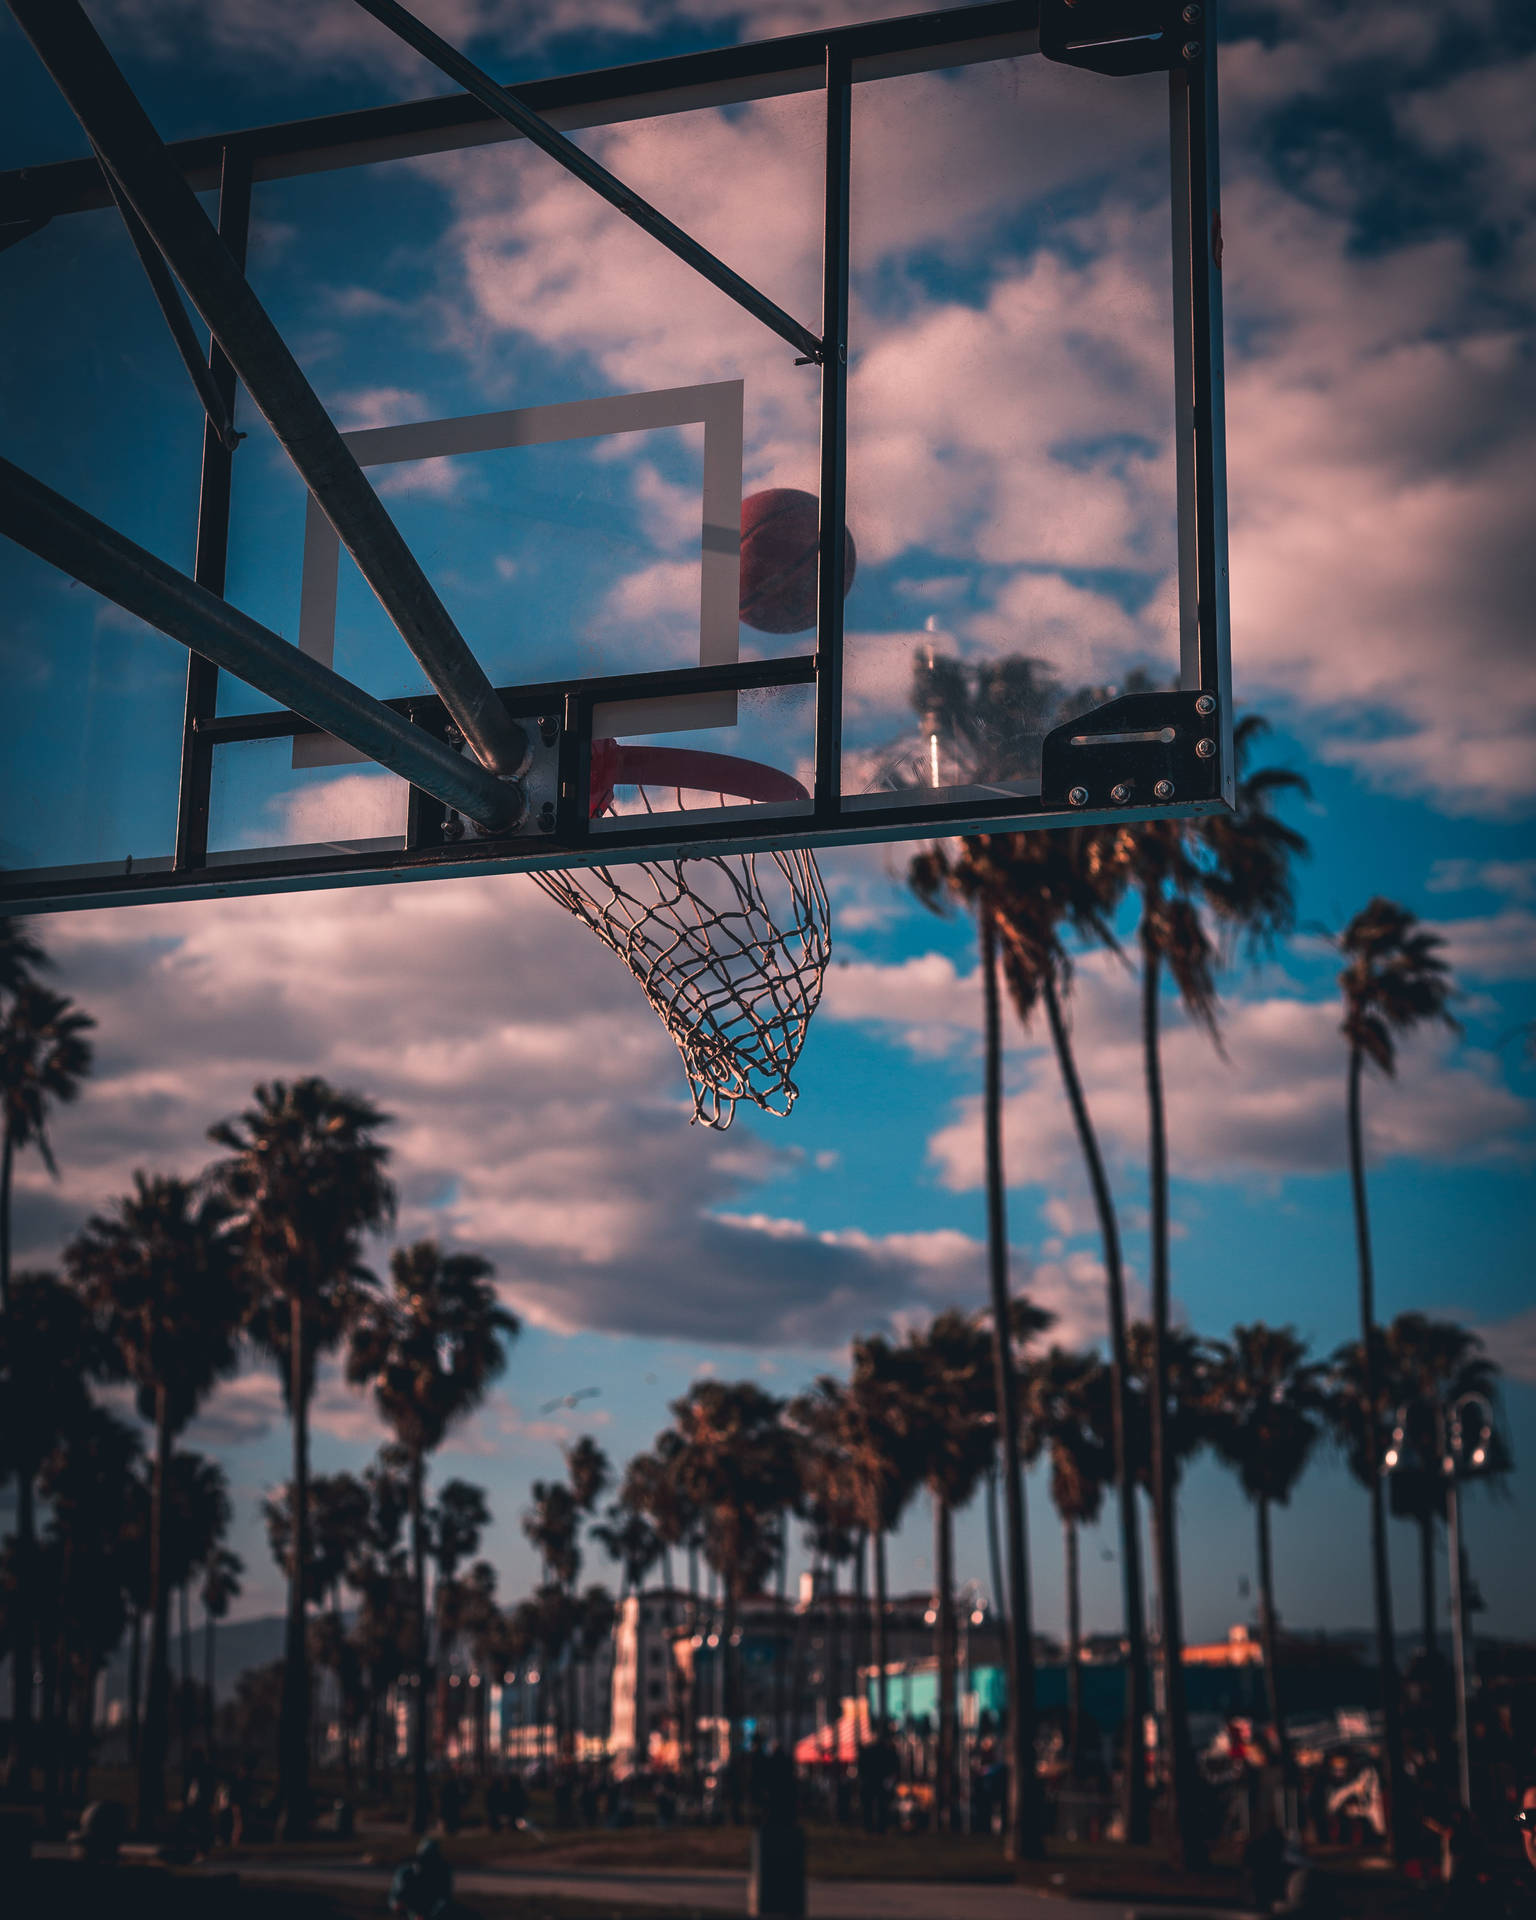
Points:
(506, 106)
(173, 313)
(121, 132)
(66, 536)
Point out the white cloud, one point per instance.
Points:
(1500, 947)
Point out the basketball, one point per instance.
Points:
(778, 560)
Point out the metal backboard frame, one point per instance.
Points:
(1169, 755)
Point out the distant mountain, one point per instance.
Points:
(238, 1646)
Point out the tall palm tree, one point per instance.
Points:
(49, 1348)
(736, 1466)
(1393, 982)
(306, 1181)
(947, 1394)
(1266, 1399)
(429, 1347)
(219, 1591)
(1041, 887)
(651, 1487)
(1238, 866)
(1429, 1363)
(159, 1272)
(859, 1420)
(1067, 1414)
(629, 1539)
(44, 1057)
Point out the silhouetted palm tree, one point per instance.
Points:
(44, 1057)
(1239, 867)
(1394, 981)
(629, 1539)
(946, 1396)
(1267, 1402)
(1429, 1363)
(160, 1275)
(219, 1590)
(1040, 887)
(429, 1348)
(306, 1181)
(736, 1466)
(1068, 1415)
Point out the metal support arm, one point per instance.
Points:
(506, 106)
(117, 126)
(68, 537)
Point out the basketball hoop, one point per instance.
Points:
(730, 949)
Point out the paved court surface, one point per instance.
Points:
(725, 1893)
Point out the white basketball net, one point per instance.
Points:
(730, 950)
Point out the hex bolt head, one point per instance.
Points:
(1163, 790)
(1206, 703)
(1192, 49)
(1205, 748)
(1078, 797)
(1191, 15)
(1120, 794)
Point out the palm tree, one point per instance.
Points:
(88, 1482)
(1394, 981)
(160, 1275)
(629, 1539)
(197, 1517)
(49, 1347)
(44, 1057)
(947, 1394)
(219, 1591)
(1067, 1414)
(1266, 1399)
(306, 1181)
(1039, 887)
(429, 1347)
(735, 1465)
(860, 1423)
(1239, 866)
(1430, 1364)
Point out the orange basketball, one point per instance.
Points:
(778, 560)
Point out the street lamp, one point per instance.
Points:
(1463, 1444)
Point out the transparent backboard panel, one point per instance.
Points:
(95, 404)
(261, 806)
(1011, 411)
(560, 416)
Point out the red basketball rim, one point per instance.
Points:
(686, 769)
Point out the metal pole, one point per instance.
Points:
(532, 126)
(117, 126)
(1458, 1623)
(67, 537)
(831, 574)
(209, 565)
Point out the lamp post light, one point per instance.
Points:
(1463, 1442)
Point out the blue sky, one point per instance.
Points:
(1009, 482)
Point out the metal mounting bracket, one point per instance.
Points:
(1124, 36)
(1137, 750)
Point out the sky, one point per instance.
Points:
(1010, 491)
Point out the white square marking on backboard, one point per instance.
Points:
(717, 407)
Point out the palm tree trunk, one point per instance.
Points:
(153, 1739)
(882, 1637)
(858, 1631)
(1074, 1655)
(209, 1625)
(293, 1725)
(833, 1651)
(1270, 1637)
(1022, 1830)
(946, 1651)
(421, 1797)
(184, 1718)
(1381, 1579)
(781, 1594)
(1427, 1580)
(1134, 1808)
(23, 1611)
(1189, 1842)
(135, 1686)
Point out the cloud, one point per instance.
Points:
(1515, 879)
(1512, 1343)
(540, 1115)
(1273, 1108)
(1499, 947)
